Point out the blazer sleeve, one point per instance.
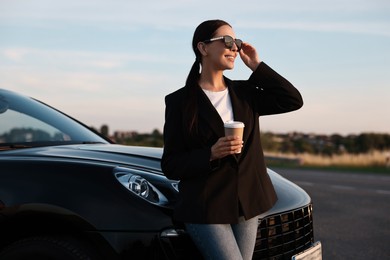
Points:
(273, 93)
(178, 160)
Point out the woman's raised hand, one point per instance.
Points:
(249, 56)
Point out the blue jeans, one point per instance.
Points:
(225, 241)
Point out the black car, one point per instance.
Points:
(67, 192)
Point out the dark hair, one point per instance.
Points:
(206, 30)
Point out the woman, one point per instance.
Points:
(222, 193)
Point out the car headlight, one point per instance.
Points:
(141, 187)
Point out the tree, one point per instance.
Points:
(104, 130)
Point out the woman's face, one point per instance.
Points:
(217, 55)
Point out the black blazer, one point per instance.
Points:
(219, 191)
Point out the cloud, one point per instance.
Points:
(83, 59)
(165, 15)
(362, 27)
(15, 55)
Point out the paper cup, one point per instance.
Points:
(234, 128)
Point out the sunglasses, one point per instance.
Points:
(228, 40)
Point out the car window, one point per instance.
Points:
(18, 127)
(28, 122)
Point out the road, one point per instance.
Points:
(351, 212)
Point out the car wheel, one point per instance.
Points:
(48, 248)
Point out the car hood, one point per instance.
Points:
(113, 154)
(290, 195)
(140, 151)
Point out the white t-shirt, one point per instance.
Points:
(221, 102)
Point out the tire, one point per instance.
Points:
(48, 248)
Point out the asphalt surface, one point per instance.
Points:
(351, 212)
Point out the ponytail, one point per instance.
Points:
(191, 107)
(193, 76)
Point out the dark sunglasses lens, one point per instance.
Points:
(229, 42)
(239, 44)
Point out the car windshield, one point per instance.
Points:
(26, 122)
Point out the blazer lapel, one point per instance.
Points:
(241, 110)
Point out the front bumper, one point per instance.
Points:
(279, 236)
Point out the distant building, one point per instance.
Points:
(123, 135)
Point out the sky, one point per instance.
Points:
(111, 62)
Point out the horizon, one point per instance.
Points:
(107, 63)
(113, 131)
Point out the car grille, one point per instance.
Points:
(279, 236)
(283, 235)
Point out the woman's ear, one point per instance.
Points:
(202, 48)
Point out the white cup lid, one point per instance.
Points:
(234, 124)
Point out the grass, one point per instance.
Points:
(375, 161)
